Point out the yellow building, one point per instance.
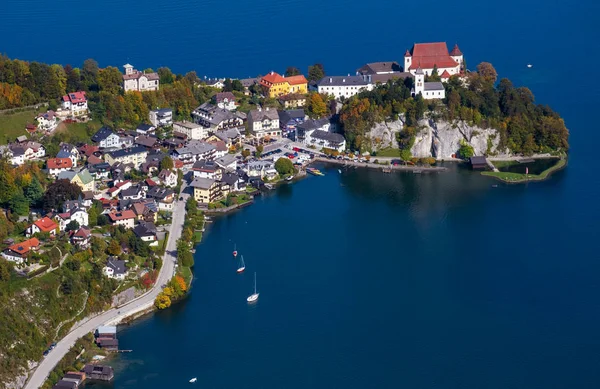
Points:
(84, 180)
(276, 85)
(206, 190)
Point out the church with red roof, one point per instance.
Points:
(427, 56)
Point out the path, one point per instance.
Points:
(381, 167)
(141, 303)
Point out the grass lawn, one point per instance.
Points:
(186, 273)
(13, 125)
(388, 152)
(501, 164)
(518, 177)
(79, 130)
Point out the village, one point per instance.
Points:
(131, 179)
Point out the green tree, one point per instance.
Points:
(466, 150)
(166, 163)
(227, 85)
(34, 192)
(5, 269)
(316, 72)
(315, 106)
(109, 80)
(245, 153)
(237, 85)
(405, 155)
(19, 203)
(102, 220)
(292, 71)
(166, 76)
(72, 226)
(89, 73)
(284, 166)
(259, 151)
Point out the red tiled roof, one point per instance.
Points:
(88, 150)
(177, 164)
(445, 74)
(59, 163)
(93, 160)
(296, 80)
(220, 145)
(150, 182)
(429, 55)
(24, 247)
(46, 224)
(75, 97)
(456, 51)
(272, 78)
(407, 54)
(123, 215)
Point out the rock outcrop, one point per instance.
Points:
(440, 140)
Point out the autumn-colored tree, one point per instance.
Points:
(162, 301)
(315, 106)
(245, 153)
(487, 72)
(114, 248)
(181, 282)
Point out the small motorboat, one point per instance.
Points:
(494, 186)
(340, 171)
(269, 186)
(314, 172)
(290, 178)
(529, 65)
(193, 380)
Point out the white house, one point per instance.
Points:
(216, 118)
(42, 225)
(429, 90)
(161, 117)
(124, 218)
(194, 151)
(259, 168)
(134, 80)
(115, 268)
(146, 231)
(79, 215)
(168, 178)
(264, 122)
(18, 252)
(47, 121)
(344, 86)
(58, 165)
(227, 162)
(106, 138)
(67, 150)
(191, 130)
(305, 129)
(225, 100)
(428, 56)
(325, 139)
(207, 169)
(75, 103)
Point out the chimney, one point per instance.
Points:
(343, 80)
(330, 80)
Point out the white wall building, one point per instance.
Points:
(161, 117)
(429, 90)
(75, 103)
(191, 130)
(344, 86)
(106, 138)
(264, 122)
(47, 121)
(134, 80)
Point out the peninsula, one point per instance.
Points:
(106, 175)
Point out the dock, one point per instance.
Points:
(388, 168)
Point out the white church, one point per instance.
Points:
(424, 58)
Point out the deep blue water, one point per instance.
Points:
(369, 280)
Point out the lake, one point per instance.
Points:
(368, 280)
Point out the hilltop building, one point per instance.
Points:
(428, 56)
(134, 80)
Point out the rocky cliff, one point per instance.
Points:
(440, 139)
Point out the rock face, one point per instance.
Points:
(383, 135)
(440, 140)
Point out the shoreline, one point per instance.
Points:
(519, 178)
(376, 166)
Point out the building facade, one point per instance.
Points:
(264, 122)
(430, 56)
(344, 86)
(75, 103)
(134, 80)
(191, 130)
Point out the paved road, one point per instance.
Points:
(166, 273)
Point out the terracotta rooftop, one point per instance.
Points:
(272, 78)
(123, 215)
(60, 163)
(296, 80)
(24, 247)
(75, 97)
(429, 55)
(46, 224)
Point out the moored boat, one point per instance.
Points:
(314, 172)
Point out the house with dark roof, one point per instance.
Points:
(379, 68)
(225, 100)
(164, 197)
(429, 90)
(194, 151)
(67, 150)
(115, 268)
(81, 237)
(325, 139)
(343, 86)
(264, 122)
(292, 100)
(106, 138)
(148, 141)
(145, 129)
(98, 372)
(131, 155)
(289, 119)
(207, 169)
(305, 129)
(146, 232)
(206, 190)
(216, 118)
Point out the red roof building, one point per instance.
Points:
(75, 97)
(44, 224)
(428, 56)
(59, 163)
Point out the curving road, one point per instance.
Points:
(146, 300)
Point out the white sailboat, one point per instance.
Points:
(254, 296)
(193, 380)
(242, 265)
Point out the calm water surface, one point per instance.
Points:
(368, 280)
